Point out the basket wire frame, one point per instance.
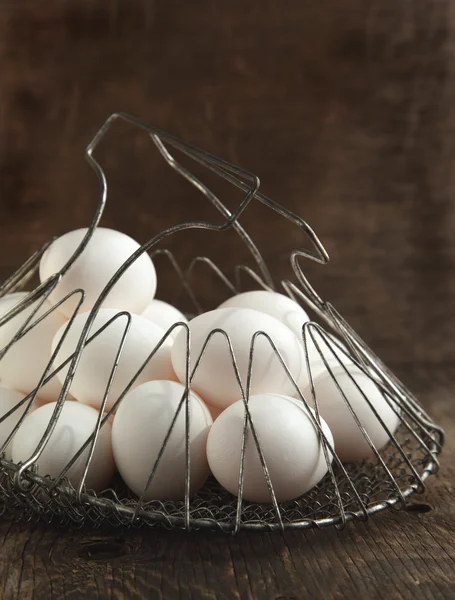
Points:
(347, 492)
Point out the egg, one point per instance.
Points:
(75, 424)
(289, 442)
(140, 426)
(165, 315)
(293, 316)
(214, 379)
(105, 253)
(26, 360)
(9, 399)
(274, 304)
(321, 465)
(330, 348)
(98, 357)
(350, 443)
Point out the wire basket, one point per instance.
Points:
(347, 492)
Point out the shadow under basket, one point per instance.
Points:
(347, 492)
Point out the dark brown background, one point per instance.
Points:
(346, 111)
(344, 108)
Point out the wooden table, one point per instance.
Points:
(395, 555)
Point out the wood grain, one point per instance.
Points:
(396, 555)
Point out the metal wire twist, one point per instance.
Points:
(347, 492)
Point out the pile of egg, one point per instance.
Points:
(131, 440)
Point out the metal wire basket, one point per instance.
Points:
(347, 492)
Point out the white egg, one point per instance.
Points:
(215, 379)
(106, 251)
(274, 304)
(98, 357)
(350, 443)
(139, 430)
(289, 442)
(165, 315)
(75, 424)
(9, 399)
(293, 316)
(26, 360)
(321, 465)
(329, 348)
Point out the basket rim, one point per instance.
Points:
(142, 517)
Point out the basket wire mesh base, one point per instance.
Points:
(347, 492)
(214, 507)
